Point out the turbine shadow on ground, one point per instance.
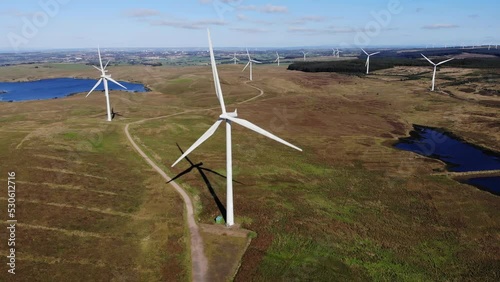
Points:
(201, 170)
(113, 114)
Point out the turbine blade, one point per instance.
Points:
(427, 59)
(107, 64)
(374, 53)
(202, 139)
(257, 129)
(364, 51)
(116, 82)
(100, 59)
(444, 62)
(248, 54)
(182, 152)
(246, 66)
(218, 89)
(97, 68)
(95, 86)
(256, 62)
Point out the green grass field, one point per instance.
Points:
(349, 207)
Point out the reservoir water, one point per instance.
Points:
(56, 88)
(458, 155)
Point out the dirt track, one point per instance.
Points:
(198, 259)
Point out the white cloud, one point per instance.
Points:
(185, 24)
(222, 1)
(440, 26)
(250, 30)
(274, 9)
(307, 19)
(269, 9)
(331, 30)
(141, 13)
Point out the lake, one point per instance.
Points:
(458, 155)
(56, 88)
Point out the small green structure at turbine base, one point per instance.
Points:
(220, 220)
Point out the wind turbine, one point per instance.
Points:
(435, 68)
(229, 118)
(235, 59)
(368, 60)
(338, 53)
(305, 53)
(250, 63)
(278, 58)
(104, 78)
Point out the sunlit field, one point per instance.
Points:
(349, 206)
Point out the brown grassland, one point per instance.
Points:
(350, 207)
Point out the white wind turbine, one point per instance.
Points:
(368, 60)
(278, 58)
(228, 118)
(305, 54)
(104, 78)
(338, 53)
(250, 63)
(435, 69)
(235, 59)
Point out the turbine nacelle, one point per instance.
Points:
(228, 116)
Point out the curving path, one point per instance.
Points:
(198, 258)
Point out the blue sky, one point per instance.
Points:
(260, 23)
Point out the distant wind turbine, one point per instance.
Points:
(278, 58)
(229, 118)
(235, 59)
(435, 69)
(104, 78)
(250, 63)
(305, 54)
(367, 64)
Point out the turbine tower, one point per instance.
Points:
(435, 69)
(104, 78)
(250, 63)
(235, 59)
(278, 58)
(229, 118)
(305, 53)
(367, 64)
